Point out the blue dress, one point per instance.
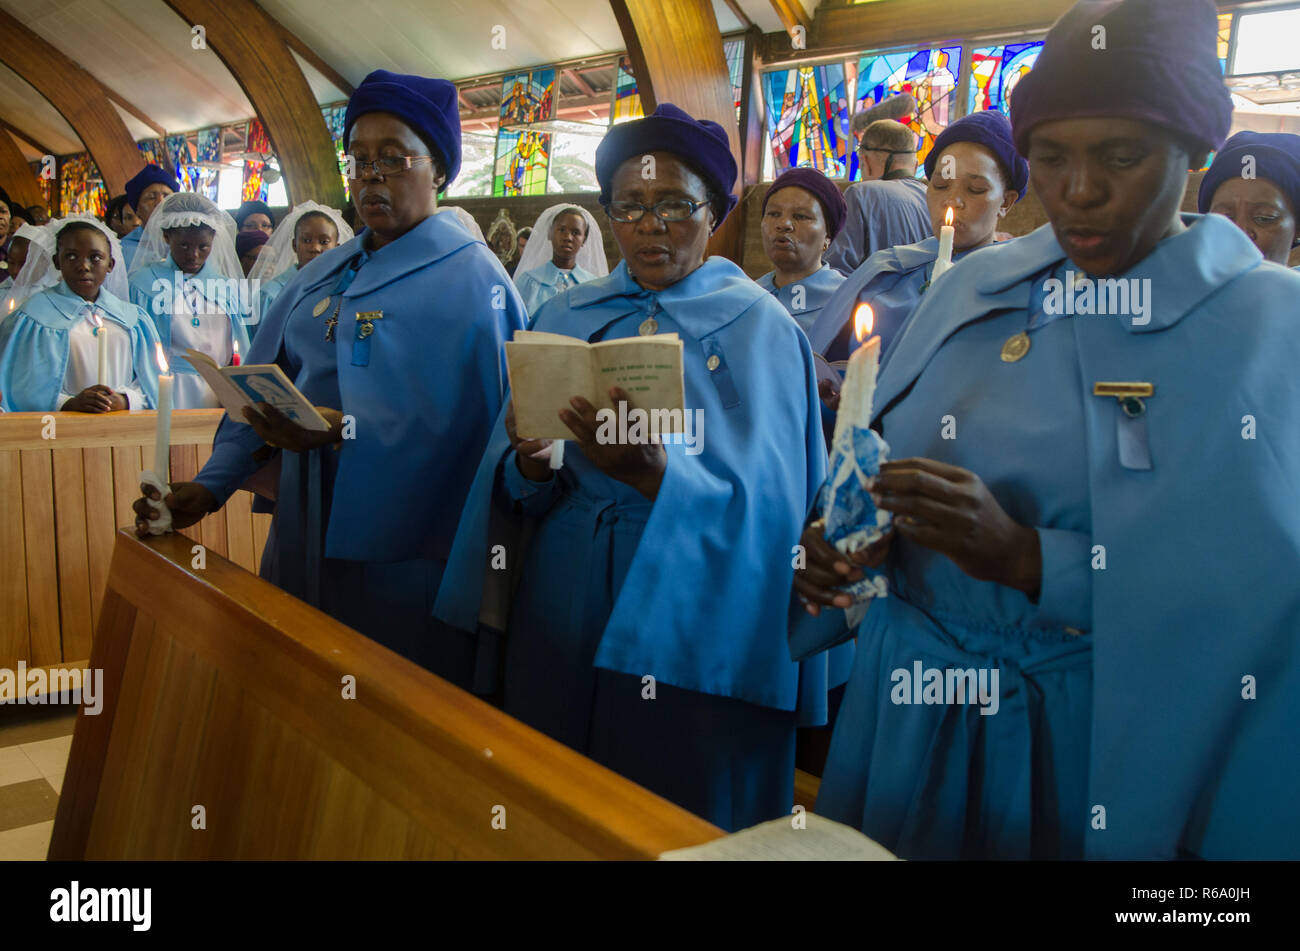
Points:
(267, 294)
(804, 299)
(363, 531)
(882, 214)
(692, 590)
(131, 244)
(34, 347)
(1170, 539)
(540, 284)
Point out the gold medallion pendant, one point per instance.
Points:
(322, 305)
(1015, 347)
(648, 326)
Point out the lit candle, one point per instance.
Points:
(860, 378)
(944, 260)
(102, 342)
(234, 361)
(163, 434)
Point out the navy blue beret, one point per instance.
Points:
(150, 175)
(992, 130)
(822, 188)
(700, 143)
(1159, 64)
(429, 106)
(1277, 158)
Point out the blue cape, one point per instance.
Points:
(1199, 589)
(706, 600)
(34, 347)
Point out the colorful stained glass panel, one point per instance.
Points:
(627, 102)
(521, 165)
(808, 118)
(81, 188)
(734, 50)
(929, 75)
(527, 97)
(995, 70)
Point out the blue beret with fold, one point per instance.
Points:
(149, 175)
(992, 130)
(1277, 159)
(429, 106)
(827, 193)
(1155, 61)
(700, 143)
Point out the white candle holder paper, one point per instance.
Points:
(163, 523)
(852, 520)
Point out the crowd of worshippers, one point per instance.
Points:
(1093, 519)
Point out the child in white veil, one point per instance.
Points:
(38, 271)
(187, 277)
(287, 251)
(558, 256)
(74, 341)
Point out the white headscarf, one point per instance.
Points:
(279, 255)
(465, 218)
(187, 210)
(39, 272)
(591, 256)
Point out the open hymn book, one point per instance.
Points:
(237, 387)
(546, 370)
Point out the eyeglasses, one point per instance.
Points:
(390, 165)
(670, 209)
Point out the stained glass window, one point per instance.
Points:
(627, 102)
(734, 50)
(808, 118)
(81, 188)
(153, 151)
(255, 186)
(995, 70)
(1225, 39)
(522, 160)
(181, 156)
(46, 185)
(207, 151)
(929, 75)
(527, 97)
(334, 116)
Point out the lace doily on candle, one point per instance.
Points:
(852, 520)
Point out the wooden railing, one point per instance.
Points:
(67, 481)
(240, 723)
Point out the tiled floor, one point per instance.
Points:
(34, 744)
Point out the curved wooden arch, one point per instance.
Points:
(78, 96)
(251, 45)
(676, 52)
(16, 175)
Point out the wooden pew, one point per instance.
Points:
(222, 691)
(68, 481)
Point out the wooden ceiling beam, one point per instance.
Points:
(294, 43)
(16, 175)
(20, 134)
(79, 97)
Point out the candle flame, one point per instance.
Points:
(235, 343)
(863, 321)
(161, 357)
(947, 218)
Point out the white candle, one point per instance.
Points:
(557, 454)
(860, 379)
(946, 233)
(101, 341)
(163, 433)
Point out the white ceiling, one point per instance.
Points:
(141, 50)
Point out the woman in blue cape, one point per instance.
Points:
(802, 213)
(397, 336)
(973, 169)
(1088, 647)
(1255, 182)
(647, 629)
(49, 346)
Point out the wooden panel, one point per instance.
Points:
(14, 644)
(251, 45)
(676, 53)
(42, 564)
(73, 553)
(101, 521)
(65, 498)
(80, 98)
(223, 691)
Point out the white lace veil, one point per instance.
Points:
(38, 271)
(184, 210)
(591, 256)
(279, 255)
(465, 218)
